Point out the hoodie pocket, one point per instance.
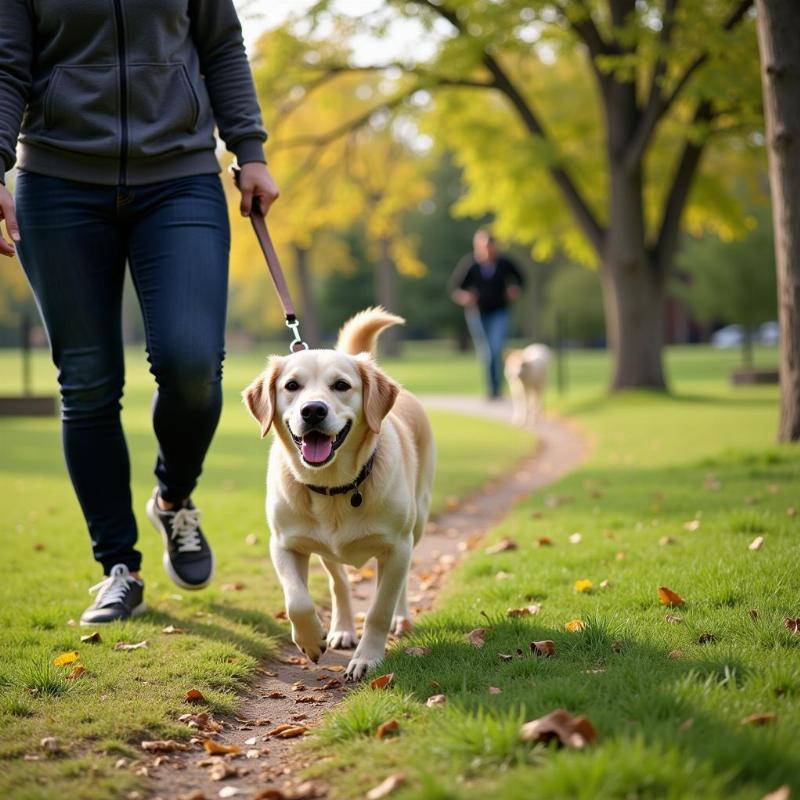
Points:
(163, 109)
(81, 108)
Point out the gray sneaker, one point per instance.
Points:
(119, 596)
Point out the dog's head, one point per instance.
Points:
(321, 402)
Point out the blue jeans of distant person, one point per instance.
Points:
(489, 330)
(175, 237)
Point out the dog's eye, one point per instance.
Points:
(292, 386)
(341, 386)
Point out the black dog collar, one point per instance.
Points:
(357, 499)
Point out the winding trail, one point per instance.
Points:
(292, 690)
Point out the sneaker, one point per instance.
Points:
(188, 559)
(119, 596)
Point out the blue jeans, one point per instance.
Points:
(489, 330)
(175, 237)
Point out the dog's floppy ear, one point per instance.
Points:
(260, 394)
(379, 393)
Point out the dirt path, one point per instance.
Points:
(293, 691)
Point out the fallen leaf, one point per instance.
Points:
(544, 648)
(232, 587)
(66, 658)
(791, 511)
(251, 539)
(335, 668)
(544, 541)
(164, 746)
(194, 696)
(781, 793)
(129, 646)
(760, 719)
(706, 638)
(583, 585)
(476, 637)
(387, 728)
(495, 690)
(384, 789)
(527, 611)
(753, 612)
(756, 544)
(574, 625)
(417, 651)
(221, 770)
(202, 722)
(673, 620)
(691, 525)
(436, 700)
(76, 673)
(669, 598)
(292, 732)
(502, 546)
(575, 538)
(666, 540)
(281, 614)
(171, 629)
(505, 656)
(217, 749)
(605, 584)
(51, 744)
(275, 695)
(620, 556)
(567, 730)
(92, 638)
(676, 654)
(382, 681)
(685, 725)
(792, 625)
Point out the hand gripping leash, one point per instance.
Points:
(276, 272)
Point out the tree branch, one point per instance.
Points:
(442, 80)
(669, 231)
(658, 104)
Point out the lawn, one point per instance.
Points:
(47, 568)
(676, 490)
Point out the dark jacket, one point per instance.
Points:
(490, 285)
(124, 91)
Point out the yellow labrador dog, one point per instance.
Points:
(349, 478)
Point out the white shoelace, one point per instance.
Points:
(185, 525)
(112, 589)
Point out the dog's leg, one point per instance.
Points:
(402, 622)
(292, 569)
(342, 635)
(519, 410)
(392, 575)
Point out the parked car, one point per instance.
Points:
(729, 336)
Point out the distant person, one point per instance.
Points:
(485, 283)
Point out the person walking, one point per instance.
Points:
(111, 106)
(485, 283)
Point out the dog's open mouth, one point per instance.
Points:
(317, 448)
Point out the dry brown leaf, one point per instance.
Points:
(387, 728)
(504, 545)
(574, 625)
(194, 696)
(66, 658)
(292, 732)
(756, 544)
(416, 651)
(791, 511)
(676, 654)
(92, 638)
(760, 719)
(669, 598)
(217, 749)
(753, 612)
(436, 700)
(279, 729)
(495, 690)
(335, 668)
(569, 731)
(692, 525)
(203, 722)
(384, 789)
(673, 619)
(382, 681)
(706, 638)
(51, 744)
(164, 746)
(221, 770)
(171, 629)
(544, 648)
(527, 611)
(544, 541)
(76, 673)
(667, 540)
(781, 793)
(128, 646)
(476, 637)
(275, 695)
(233, 587)
(605, 584)
(792, 625)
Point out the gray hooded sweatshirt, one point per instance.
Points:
(124, 91)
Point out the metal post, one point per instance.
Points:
(27, 389)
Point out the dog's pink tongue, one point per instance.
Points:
(317, 447)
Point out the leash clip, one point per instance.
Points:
(297, 344)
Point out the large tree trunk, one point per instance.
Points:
(310, 328)
(778, 26)
(391, 338)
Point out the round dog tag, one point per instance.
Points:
(357, 499)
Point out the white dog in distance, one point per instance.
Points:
(526, 373)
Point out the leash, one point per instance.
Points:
(274, 265)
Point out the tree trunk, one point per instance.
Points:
(310, 327)
(391, 341)
(778, 24)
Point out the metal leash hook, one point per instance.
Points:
(297, 344)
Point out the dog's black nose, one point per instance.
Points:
(314, 412)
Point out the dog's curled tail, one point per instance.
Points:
(360, 333)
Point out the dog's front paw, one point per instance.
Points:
(401, 625)
(363, 660)
(342, 639)
(308, 635)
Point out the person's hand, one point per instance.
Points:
(255, 181)
(12, 229)
(513, 292)
(465, 298)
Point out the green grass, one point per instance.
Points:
(124, 697)
(668, 728)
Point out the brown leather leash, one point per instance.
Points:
(274, 265)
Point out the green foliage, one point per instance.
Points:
(574, 294)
